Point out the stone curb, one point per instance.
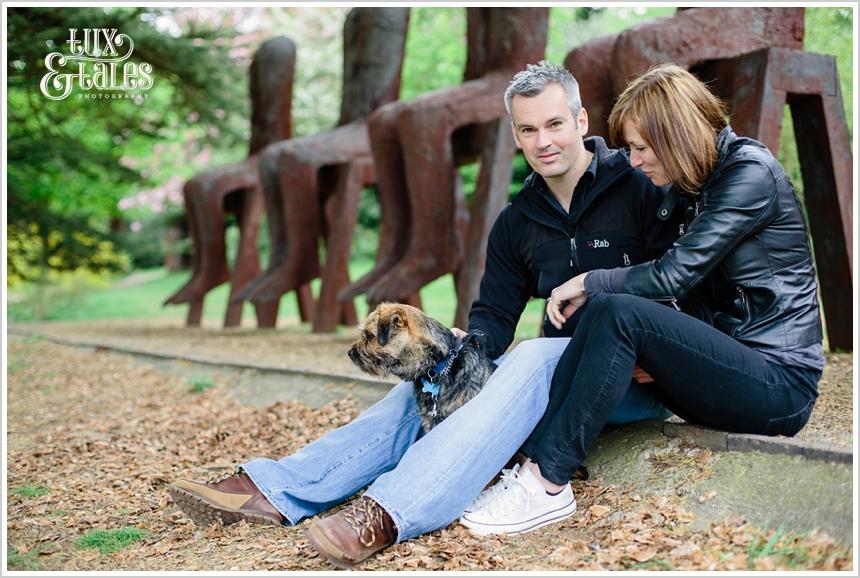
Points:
(375, 384)
(735, 442)
(700, 436)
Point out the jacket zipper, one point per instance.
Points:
(672, 301)
(744, 303)
(574, 253)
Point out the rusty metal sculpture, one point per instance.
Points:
(690, 37)
(761, 84)
(752, 58)
(311, 185)
(234, 188)
(417, 146)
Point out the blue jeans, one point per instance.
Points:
(425, 481)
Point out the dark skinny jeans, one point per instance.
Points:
(701, 374)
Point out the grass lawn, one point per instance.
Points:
(140, 295)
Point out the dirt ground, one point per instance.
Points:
(101, 437)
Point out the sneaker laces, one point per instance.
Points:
(490, 493)
(361, 516)
(515, 497)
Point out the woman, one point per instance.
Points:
(756, 370)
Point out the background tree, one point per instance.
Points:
(71, 160)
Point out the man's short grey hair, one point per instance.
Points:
(536, 77)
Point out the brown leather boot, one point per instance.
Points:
(354, 534)
(230, 500)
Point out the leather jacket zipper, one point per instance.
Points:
(744, 303)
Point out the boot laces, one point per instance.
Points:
(364, 516)
(216, 478)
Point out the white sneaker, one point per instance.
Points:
(517, 504)
(489, 494)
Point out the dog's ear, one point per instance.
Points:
(381, 333)
(384, 330)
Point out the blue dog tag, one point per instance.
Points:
(429, 387)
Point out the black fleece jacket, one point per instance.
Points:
(534, 246)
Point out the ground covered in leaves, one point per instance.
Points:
(94, 439)
(293, 347)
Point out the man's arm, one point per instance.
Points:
(504, 288)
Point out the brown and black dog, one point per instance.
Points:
(401, 340)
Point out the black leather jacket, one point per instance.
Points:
(747, 240)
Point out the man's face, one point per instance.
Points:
(548, 134)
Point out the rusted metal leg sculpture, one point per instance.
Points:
(289, 173)
(295, 197)
(491, 195)
(690, 37)
(763, 83)
(697, 35)
(340, 210)
(390, 178)
(234, 188)
(434, 248)
(247, 265)
(205, 197)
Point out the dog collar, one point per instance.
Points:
(441, 369)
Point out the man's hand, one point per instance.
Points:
(458, 333)
(641, 376)
(571, 294)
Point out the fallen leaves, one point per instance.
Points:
(108, 435)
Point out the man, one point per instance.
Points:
(583, 208)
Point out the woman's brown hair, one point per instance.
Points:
(678, 117)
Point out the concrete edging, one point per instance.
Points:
(376, 384)
(735, 442)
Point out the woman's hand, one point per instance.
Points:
(565, 300)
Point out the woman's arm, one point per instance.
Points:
(742, 201)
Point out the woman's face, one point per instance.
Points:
(642, 156)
